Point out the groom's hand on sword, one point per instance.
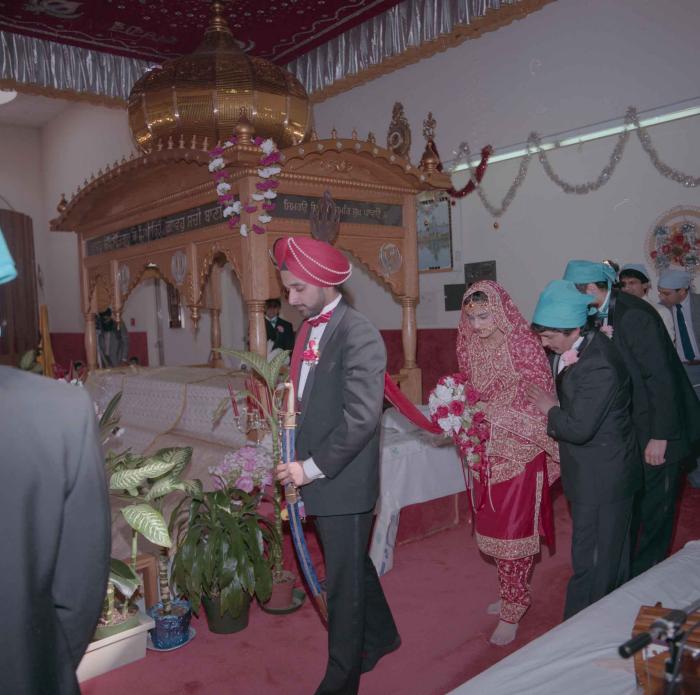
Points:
(292, 472)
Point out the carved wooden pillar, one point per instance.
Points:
(215, 359)
(116, 291)
(214, 292)
(408, 331)
(194, 287)
(91, 333)
(412, 382)
(257, 334)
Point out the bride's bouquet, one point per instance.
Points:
(457, 409)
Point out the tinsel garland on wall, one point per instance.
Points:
(534, 147)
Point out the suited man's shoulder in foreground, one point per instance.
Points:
(56, 531)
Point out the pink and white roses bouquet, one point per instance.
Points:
(457, 409)
(247, 469)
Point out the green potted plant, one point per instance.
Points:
(268, 405)
(141, 484)
(222, 555)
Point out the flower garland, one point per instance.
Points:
(261, 200)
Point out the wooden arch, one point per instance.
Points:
(159, 211)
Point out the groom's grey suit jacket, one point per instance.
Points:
(340, 415)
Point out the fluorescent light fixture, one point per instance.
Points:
(605, 129)
(6, 96)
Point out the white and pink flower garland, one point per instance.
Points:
(262, 200)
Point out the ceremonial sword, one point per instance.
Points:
(294, 503)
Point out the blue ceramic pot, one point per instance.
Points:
(171, 630)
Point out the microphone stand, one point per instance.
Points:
(667, 630)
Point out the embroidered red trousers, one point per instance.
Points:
(509, 519)
(515, 594)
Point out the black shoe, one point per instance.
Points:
(369, 661)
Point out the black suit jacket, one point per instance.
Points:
(341, 409)
(600, 462)
(55, 537)
(664, 404)
(281, 334)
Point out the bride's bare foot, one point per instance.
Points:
(494, 608)
(504, 633)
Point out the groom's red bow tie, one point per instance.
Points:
(321, 318)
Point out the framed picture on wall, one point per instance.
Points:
(434, 231)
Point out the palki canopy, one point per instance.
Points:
(158, 215)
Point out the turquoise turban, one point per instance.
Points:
(583, 272)
(561, 305)
(7, 265)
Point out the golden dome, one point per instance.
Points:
(205, 93)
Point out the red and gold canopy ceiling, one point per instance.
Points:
(277, 30)
(100, 48)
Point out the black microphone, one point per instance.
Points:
(659, 631)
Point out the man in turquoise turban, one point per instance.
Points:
(665, 409)
(600, 466)
(55, 536)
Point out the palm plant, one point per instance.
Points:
(270, 408)
(223, 549)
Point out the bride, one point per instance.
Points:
(499, 356)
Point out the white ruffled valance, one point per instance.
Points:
(53, 67)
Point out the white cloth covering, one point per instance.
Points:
(580, 657)
(415, 467)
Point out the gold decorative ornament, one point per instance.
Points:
(325, 219)
(203, 94)
(430, 161)
(398, 139)
(63, 203)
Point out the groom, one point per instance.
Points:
(600, 467)
(338, 369)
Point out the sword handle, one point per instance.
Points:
(289, 417)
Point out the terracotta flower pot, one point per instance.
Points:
(282, 589)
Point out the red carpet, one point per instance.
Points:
(438, 590)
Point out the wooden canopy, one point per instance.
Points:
(159, 214)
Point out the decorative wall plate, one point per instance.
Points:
(674, 240)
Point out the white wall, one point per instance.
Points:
(77, 143)
(21, 184)
(572, 64)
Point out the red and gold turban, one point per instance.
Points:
(315, 262)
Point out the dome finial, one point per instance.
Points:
(218, 21)
(244, 129)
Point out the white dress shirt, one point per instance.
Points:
(685, 308)
(311, 470)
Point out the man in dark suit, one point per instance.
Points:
(279, 331)
(665, 409)
(55, 519)
(600, 466)
(674, 293)
(338, 368)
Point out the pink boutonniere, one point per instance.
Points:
(608, 330)
(280, 329)
(311, 355)
(569, 357)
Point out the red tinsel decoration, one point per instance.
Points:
(479, 174)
